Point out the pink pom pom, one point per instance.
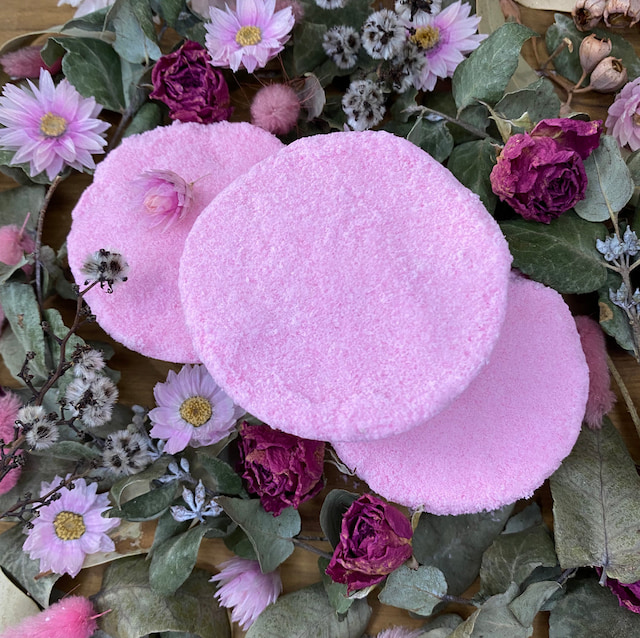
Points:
(26, 63)
(9, 406)
(72, 617)
(275, 108)
(601, 398)
(14, 242)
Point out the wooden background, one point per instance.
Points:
(139, 374)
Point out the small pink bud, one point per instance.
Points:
(26, 63)
(592, 51)
(588, 13)
(608, 76)
(621, 14)
(14, 243)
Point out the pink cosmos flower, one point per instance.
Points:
(249, 36)
(445, 38)
(275, 108)
(192, 410)
(246, 590)
(623, 121)
(27, 62)
(50, 126)
(164, 196)
(9, 406)
(70, 528)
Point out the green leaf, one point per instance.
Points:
(223, 478)
(173, 560)
(93, 67)
(16, 605)
(513, 557)
(455, 544)
(12, 353)
(22, 569)
(418, 590)
(633, 164)
(307, 612)
(529, 517)
(170, 10)
(238, 542)
(432, 137)
(539, 100)
(307, 47)
(136, 610)
(147, 506)
(471, 163)
(590, 610)
(148, 117)
(21, 173)
(16, 203)
(337, 592)
(561, 254)
(610, 184)
(596, 505)
(484, 75)
(336, 503)
(270, 535)
(530, 602)
(20, 307)
(136, 39)
(566, 62)
(130, 486)
(94, 21)
(167, 528)
(613, 319)
(69, 451)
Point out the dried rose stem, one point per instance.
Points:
(631, 408)
(311, 548)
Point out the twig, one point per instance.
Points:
(625, 394)
(311, 548)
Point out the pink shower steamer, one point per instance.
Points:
(145, 313)
(353, 287)
(506, 433)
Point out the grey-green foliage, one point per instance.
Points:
(471, 163)
(596, 505)
(418, 590)
(613, 319)
(539, 100)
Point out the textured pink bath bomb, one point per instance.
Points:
(145, 313)
(352, 287)
(509, 430)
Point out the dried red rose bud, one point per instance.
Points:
(587, 13)
(608, 76)
(592, 51)
(621, 14)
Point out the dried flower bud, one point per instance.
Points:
(608, 76)
(510, 11)
(621, 14)
(587, 13)
(592, 51)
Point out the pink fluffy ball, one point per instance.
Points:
(13, 244)
(72, 617)
(275, 108)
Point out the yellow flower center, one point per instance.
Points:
(247, 36)
(196, 411)
(69, 526)
(52, 125)
(426, 37)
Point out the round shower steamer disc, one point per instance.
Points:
(145, 313)
(349, 288)
(509, 430)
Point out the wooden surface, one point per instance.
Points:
(140, 374)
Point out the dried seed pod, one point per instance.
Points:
(588, 13)
(608, 76)
(621, 14)
(592, 51)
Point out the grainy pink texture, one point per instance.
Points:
(145, 313)
(507, 433)
(354, 287)
(601, 397)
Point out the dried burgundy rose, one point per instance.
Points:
(375, 539)
(282, 469)
(192, 89)
(628, 595)
(541, 175)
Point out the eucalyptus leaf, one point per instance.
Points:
(17, 203)
(443, 621)
(530, 516)
(56, 325)
(6, 271)
(94, 21)
(338, 593)
(633, 164)
(567, 61)
(12, 353)
(136, 39)
(404, 105)
(588, 609)
(613, 319)
(238, 542)
(539, 100)
(513, 557)
(21, 173)
(147, 506)
(170, 10)
(22, 569)
(561, 254)
(596, 505)
(167, 528)
(270, 535)
(471, 163)
(432, 137)
(307, 46)
(336, 503)
(455, 544)
(148, 117)
(173, 560)
(484, 75)
(138, 483)
(418, 590)
(224, 479)
(307, 612)
(93, 67)
(530, 602)
(610, 185)
(136, 610)
(69, 451)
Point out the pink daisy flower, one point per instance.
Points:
(249, 36)
(444, 38)
(70, 528)
(246, 590)
(192, 410)
(50, 126)
(623, 120)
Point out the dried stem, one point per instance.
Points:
(633, 413)
(311, 548)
